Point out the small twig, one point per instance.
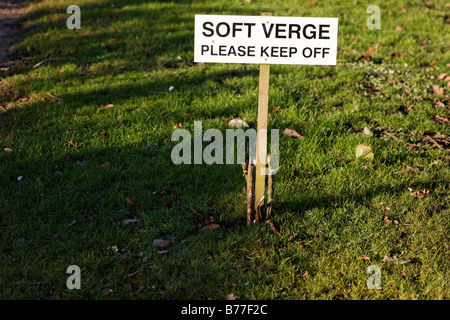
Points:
(270, 223)
(49, 59)
(435, 162)
(398, 139)
(435, 143)
(196, 212)
(54, 97)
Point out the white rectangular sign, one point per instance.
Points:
(265, 40)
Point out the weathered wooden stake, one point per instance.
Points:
(261, 140)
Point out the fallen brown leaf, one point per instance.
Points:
(106, 291)
(292, 133)
(438, 90)
(441, 77)
(365, 57)
(160, 243)
(441, 119)
(276, 108)
(397, 54)
(130, 202)
(232, 296)
(439, 104)
(177, 125)
(108, 106)
(430, 5)
(398, 29)
(293, 237)
(7, 149)
(422, 193)
(76, 145)
(364, 258)
(211, 226)
(127, 221)
(105, 165)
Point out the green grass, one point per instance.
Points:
(333, 201)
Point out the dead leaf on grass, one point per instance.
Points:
(441, 119)
(160, 243)
(438, 90)
(363, 151)
(75, 145)
(108, 106)
(106, 291)
(365, 57)
(127, 221)
(292, 133)
(364, 257)
(422, 193)
(397, 260)
(441, 77)
(105, 165)
(232, 296)
(130, 202)
(293, 237)
(238, 123)
(439, 104)
(210, 226)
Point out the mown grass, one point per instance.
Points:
(336, 203)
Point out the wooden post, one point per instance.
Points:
(261, 140)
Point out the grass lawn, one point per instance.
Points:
(347, 213)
